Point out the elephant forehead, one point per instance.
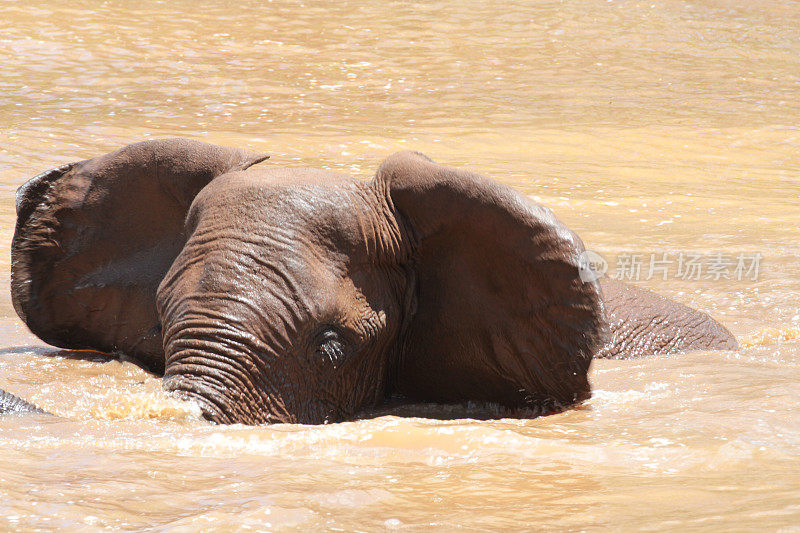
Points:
(277, 190)
(278, 178)
(324, 207)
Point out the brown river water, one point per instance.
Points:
(649, 128)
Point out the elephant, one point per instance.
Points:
(279, 294)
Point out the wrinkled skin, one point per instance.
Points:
(301, 295)
(286, 311)
(644, 323)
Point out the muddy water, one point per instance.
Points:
(649, 128)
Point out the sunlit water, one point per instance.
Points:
(650, 128)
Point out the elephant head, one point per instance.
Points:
(301, 295)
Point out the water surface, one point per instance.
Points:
(649, 128)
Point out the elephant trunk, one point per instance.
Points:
(12, 404)
(194, 390)
(224, 384)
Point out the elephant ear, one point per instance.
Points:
(94, 238)
(501, 312)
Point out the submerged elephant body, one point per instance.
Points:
(643, 323)
(301, 295)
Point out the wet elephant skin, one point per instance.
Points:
(273, 294)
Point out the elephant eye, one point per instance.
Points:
(330, 347)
